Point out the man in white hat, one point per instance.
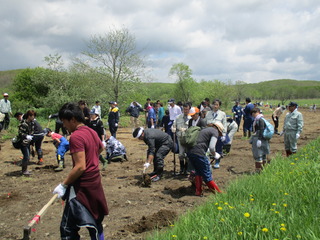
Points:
(5, 108)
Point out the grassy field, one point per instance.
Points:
(280, 203)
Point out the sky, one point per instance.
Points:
(231, 40)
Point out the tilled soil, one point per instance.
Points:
(135, 210)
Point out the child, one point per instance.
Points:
(62, 145)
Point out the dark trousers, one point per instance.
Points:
(6, 121)
(25, 150)
(60, 126)
(37, 142)
(113, 130)
(275, 120)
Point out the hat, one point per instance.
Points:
(293, 104)
(193, 111)
(94, 111)
(46, 130)
(6, 95)
(138, 132)
(112, 102)
(219, 126)
(171, 100)
(228, 116)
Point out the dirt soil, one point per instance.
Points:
(134, 210)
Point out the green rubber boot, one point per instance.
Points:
(60, 167)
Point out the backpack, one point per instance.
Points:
(268, 130)
(190, 137)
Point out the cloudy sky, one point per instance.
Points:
(247, 40)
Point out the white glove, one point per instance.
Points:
(173, 129)
(29, 137)
(146, 165)
(297, 135)
(259, 143)
(60, 190)
(281, 133)
(104, 144)
(217, 156)
(183, 129)
(275, 119)
(223, 138)
(152, 126)
(116, 124)
(50, 116)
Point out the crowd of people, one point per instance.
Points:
(162, 130)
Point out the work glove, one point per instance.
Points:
(173, 129)
(104, 144)
(259, 143)
(146, 165)
(297, 135)
(281, 133)
(50, 116)
(152, 126)
(275, 119)
(183, 129)
(116, 124)
(60, 190)
(29, 137)
(217, 156)
(223, 138)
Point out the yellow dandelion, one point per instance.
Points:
(271, 209)
(216, 204)
(251, 195)
(240, 233)
(282, 225)
(219, 208)
(205, 237)
(296, 159)
(274, 204)
(292, 163)
(276, 212)
(246, 215)
(298, 236)
(283, 229)
(171, 225)
(231, 207)
(285, 205)
(222, 220)
(286, 193)
(251, 199)
(264, 229)
(174, 236)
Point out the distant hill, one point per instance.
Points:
(6, 77)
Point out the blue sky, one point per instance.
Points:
(247, 40)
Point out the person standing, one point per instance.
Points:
(260, 145)
(275, 117)
(134, 111)
(179, 127)
(5, 108)
(159, 145)
(58, 125)
(82, 189)
(113, 118)
(292, 128)
(207, 139)
(248, 119)
(160, 114)
(196, 119)
(152, 116)
(232, 128)
(216, 115)
(97, 108)
(85, 110)
(174, 111)
(237, 113)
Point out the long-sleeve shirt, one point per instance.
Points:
(181, 124)
(207, 139)
(293, 122)
(155, 138)
(174, 112)
(5, 106)
(277, 112)
(218, 116)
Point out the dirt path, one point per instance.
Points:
(134, 210)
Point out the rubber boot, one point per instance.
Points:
(244, 133)
(288, 152)
(213, 186)
(249, 134)
(182, 165)
(217, 164)
(258, 166)
(198, 185)
(227, 148)
(104, 162)
(60, 167)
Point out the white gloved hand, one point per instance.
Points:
(152, 126)
(217, 156)
(116, 124)
(183, 129)
(223, 138)
(275, 120)
(104, 144)
(281, 133)
(146, 165)
(50, 116)
(297, 135)
(29, 137)
(60, 190)
(173, 129)
(259, 143)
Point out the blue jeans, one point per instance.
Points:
(202, 166)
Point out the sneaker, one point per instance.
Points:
(40, 162)
(155, 178)
(216, 166)
(26, 173)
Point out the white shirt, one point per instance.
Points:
(174, 112)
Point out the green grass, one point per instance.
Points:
(280, 203)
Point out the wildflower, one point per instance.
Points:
(246, 215)
(216, 204)
(252, 199)
(271, 209)
(251, 195)
(274, 204)
(174, 236)
(226, 203)
(286, 193)
(276, 212)
(219, 208)
(239, 233)
(222, 220)
(298, 236)
(283, 229)
(282, 225)
(264, 229)
(285, 205)
(292, 163)
(231, 207)
(171, 225)
(205, 237)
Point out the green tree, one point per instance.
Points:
(185, 84)
(115, 57)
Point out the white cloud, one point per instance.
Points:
(252, 40)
